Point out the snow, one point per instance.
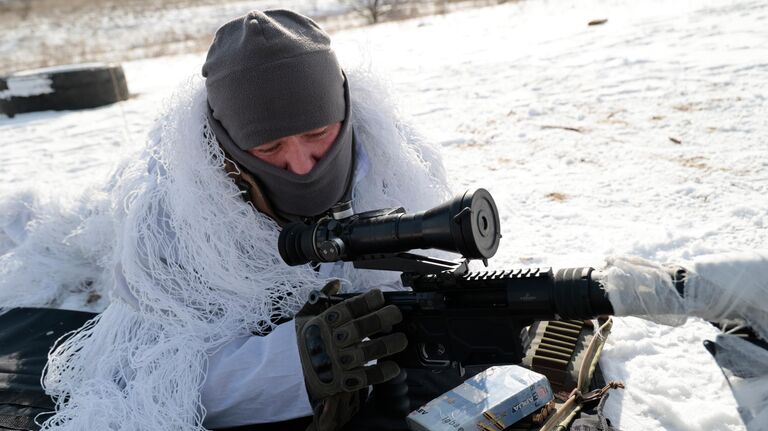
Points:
(643, 136)
(23, 86)
(55, 69)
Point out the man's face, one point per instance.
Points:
(298, 153)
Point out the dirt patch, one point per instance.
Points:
(702, 163)
(92, 297)
(557, 196)
(501, 163)
(683, 107)
(696, 162)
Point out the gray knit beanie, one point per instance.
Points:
(270, 75)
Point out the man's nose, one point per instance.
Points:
(299, 158)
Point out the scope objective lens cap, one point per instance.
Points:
(480, 226)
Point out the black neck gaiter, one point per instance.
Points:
(299, 196)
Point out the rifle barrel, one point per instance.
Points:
(532, 293)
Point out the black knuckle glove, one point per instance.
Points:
(331, 347)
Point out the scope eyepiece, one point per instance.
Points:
(467, 224)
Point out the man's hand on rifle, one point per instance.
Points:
(333, 352)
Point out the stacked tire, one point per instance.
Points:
(62, 88)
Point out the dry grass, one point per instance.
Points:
(52, 32)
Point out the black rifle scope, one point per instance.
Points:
(467, 224)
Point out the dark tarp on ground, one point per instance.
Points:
(26, 336)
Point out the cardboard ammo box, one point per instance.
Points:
(490, 401)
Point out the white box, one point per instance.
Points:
(492, 400)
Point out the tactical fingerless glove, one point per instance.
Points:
(332, 348)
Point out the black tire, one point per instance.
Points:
(64, 88)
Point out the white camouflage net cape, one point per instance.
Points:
(202, 266)
(53, 250)
(718, 288)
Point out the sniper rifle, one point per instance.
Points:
(452, 316)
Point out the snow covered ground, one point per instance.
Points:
(643, 136)
(48, 32)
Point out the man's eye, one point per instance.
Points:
(268, 150)
(317, 135)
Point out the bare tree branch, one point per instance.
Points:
(374, 10)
